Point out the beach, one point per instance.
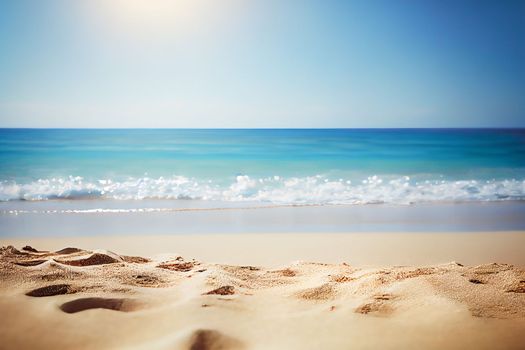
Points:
(259, 291)
(262, 239)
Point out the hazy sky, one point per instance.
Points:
(267, 63)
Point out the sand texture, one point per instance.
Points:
(80, 299)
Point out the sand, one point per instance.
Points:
(316, 291)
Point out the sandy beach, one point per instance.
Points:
(262, 175)
(262, 291)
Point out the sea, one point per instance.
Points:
(169, 171)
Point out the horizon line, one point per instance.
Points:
(270, 128)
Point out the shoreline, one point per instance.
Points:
(471, 217)
(274, 249)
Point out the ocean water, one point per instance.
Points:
(259, 167)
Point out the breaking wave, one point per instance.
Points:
(317, 190)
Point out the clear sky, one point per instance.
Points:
(267, 63)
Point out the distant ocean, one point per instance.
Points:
(266, 166)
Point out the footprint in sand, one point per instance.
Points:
(30, 262)
(117, 304)
(476, 281)
(379, 306)
(206, 339)
(224, 290)
(55, 289)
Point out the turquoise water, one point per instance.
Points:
(282, 166)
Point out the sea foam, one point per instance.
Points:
(316, 190)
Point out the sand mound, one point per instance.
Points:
(286, 272)
(117, 304)
(135, 259)
(519, 288)
(250, 268)
(490, 269)
(61, 274)
(10, 250)
(48, 291)
(28, 248)
(489, 291)
(145, 280)
(250, 277)
(94, 259)
(323, 292)
(178, 266)
(341, 278)
(418, 272)
(205, 339)
(68, 250)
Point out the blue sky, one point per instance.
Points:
(267, 63)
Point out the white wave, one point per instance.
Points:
(131, 210)
(276, 190)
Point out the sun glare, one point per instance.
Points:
(159, 16)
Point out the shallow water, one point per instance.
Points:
(55, 219)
